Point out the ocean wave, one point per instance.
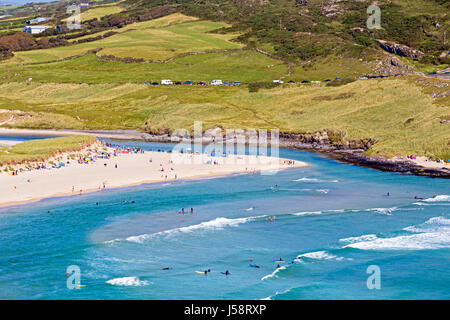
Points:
(433, 234)
(438, 198)
(128, 282)
(218, 223)
(318, 255)
(274, 273)
(305, 179)
(277, 293)
(366, 237)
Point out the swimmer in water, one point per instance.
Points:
(166, 268)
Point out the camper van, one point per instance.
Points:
(216, 83)
(166, 82)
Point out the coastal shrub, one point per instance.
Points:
(340, 82)
(255, 86)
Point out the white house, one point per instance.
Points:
(34, 29)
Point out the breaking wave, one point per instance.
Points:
(318, 255)
(274, 273)
(433, 234)
(218, 223)
(128, 282)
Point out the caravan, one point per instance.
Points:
(167, 82)
(216, 83)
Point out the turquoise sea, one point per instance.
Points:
(334, 216)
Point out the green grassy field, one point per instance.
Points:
(396, 113)
(157, 39)
(240, 65)
(40, 150)
(99, 12)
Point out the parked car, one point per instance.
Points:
(177, 83)
(166, 82)
(305, 81)
(216, 83)
(363, 78)
(227, 83)
(201, 83)
(278, 81)
(236, 83)
(147, 83)
(189, 82)
(327, 80)
(291, 81)
(155, 83)
(315, 81)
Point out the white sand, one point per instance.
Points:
(424, 162)
(133, 169)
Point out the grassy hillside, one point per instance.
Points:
(242, 65)
(399, 114)
(404, 115)
(157, 39)
(99, 12)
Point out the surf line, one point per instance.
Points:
(211, 311)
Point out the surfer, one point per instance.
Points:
(192, 210)
(227, 272)
(418, 198)
(166, 268)
(278, 266)
(387, 194)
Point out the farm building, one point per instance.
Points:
(34, 29)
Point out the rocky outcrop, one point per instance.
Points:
(445, 57)
(333, 145)
(399, 49)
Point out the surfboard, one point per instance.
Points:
(200, 272)
(279, 261)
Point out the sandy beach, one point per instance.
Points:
(127, 169)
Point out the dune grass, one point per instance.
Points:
(40, 150)
(396, 113)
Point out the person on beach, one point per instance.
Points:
(192, 210)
